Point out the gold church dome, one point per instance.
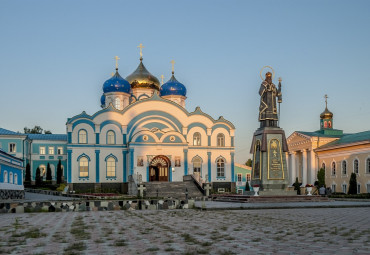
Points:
(326, 114)
(142, 78)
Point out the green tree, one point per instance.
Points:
(48, 173)
(28, 174)
(297, 186)
(321, 177)
(59, 172)
(249, 162)
(38, 178)
(247, 188)
(35, 130)
(352, 184)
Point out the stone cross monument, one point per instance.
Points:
(269, 145)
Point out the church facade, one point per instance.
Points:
(144, 132)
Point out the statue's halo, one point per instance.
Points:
(273, 72)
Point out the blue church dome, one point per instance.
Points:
(116, 84)
(102, 100)
(173, 87)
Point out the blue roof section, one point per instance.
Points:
(10, 156)
(348, 139)
(4, 131)
(52, 137)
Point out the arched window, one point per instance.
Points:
(5, 177)
(82, 136)
(323, 166)
(16, 179)
(117, 103)
(84, 167)
(196, 139)
(333, 168)
(197, 165)
(111, 137)
(10, 177)
(220, 167)
(355, 166)
(344, 167)
(368, 166)
(42, 170)
(220, 140)
(111, 167)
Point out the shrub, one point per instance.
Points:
(48, 174)
(297, 186)
(321, 177)
(38, 178)
(352, 185)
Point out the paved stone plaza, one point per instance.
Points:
(279, 231)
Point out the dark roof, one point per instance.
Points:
(59, 137)
(8, 155)
(4, 131)
(349, 139)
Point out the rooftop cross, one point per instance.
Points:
(326, 100)
(141, 50)
(162, 77)
(173, 66)
(116, 58)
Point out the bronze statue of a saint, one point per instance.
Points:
(268, 112)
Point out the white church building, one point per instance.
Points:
(145, 132)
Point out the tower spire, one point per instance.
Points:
(162, 78)
(326, 100)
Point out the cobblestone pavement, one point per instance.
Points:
(279, 231)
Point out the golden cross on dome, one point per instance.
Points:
(326, 100)
(141, 49)
(116, 58)
(173, 66)
(162, 77)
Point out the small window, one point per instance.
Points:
(333, 187)
(12, 148)
(82, 136)
(220, 140)
(344, 188)
(239, 177)
(111, 137)
(333, 168)
(248, 177)
(368, 166)
(5, 177)
(220, 168)
(117, 103)
(196, 139)
(51, 150)
(323, 166)
(16, 179)
(240, 192)
(60, 150)
(355, 166)
(111, 167)
(84, 167)
(11, 178)
(42, 150)
(344, 167)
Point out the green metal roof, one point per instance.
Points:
(331, 133)
(349, 139)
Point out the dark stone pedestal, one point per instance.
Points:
(269, 169)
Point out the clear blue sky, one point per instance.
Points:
(55, 56)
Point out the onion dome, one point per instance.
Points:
(142, 78)
(326, 114)
(173, 87)
(102, 100)
(116, 84)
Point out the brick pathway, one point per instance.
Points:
(279, 231)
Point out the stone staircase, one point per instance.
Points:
(174, 189)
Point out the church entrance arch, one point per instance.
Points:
(158, 169)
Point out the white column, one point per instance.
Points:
(304, 167)
(313, 166)
(287, 165)
(292, 168)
